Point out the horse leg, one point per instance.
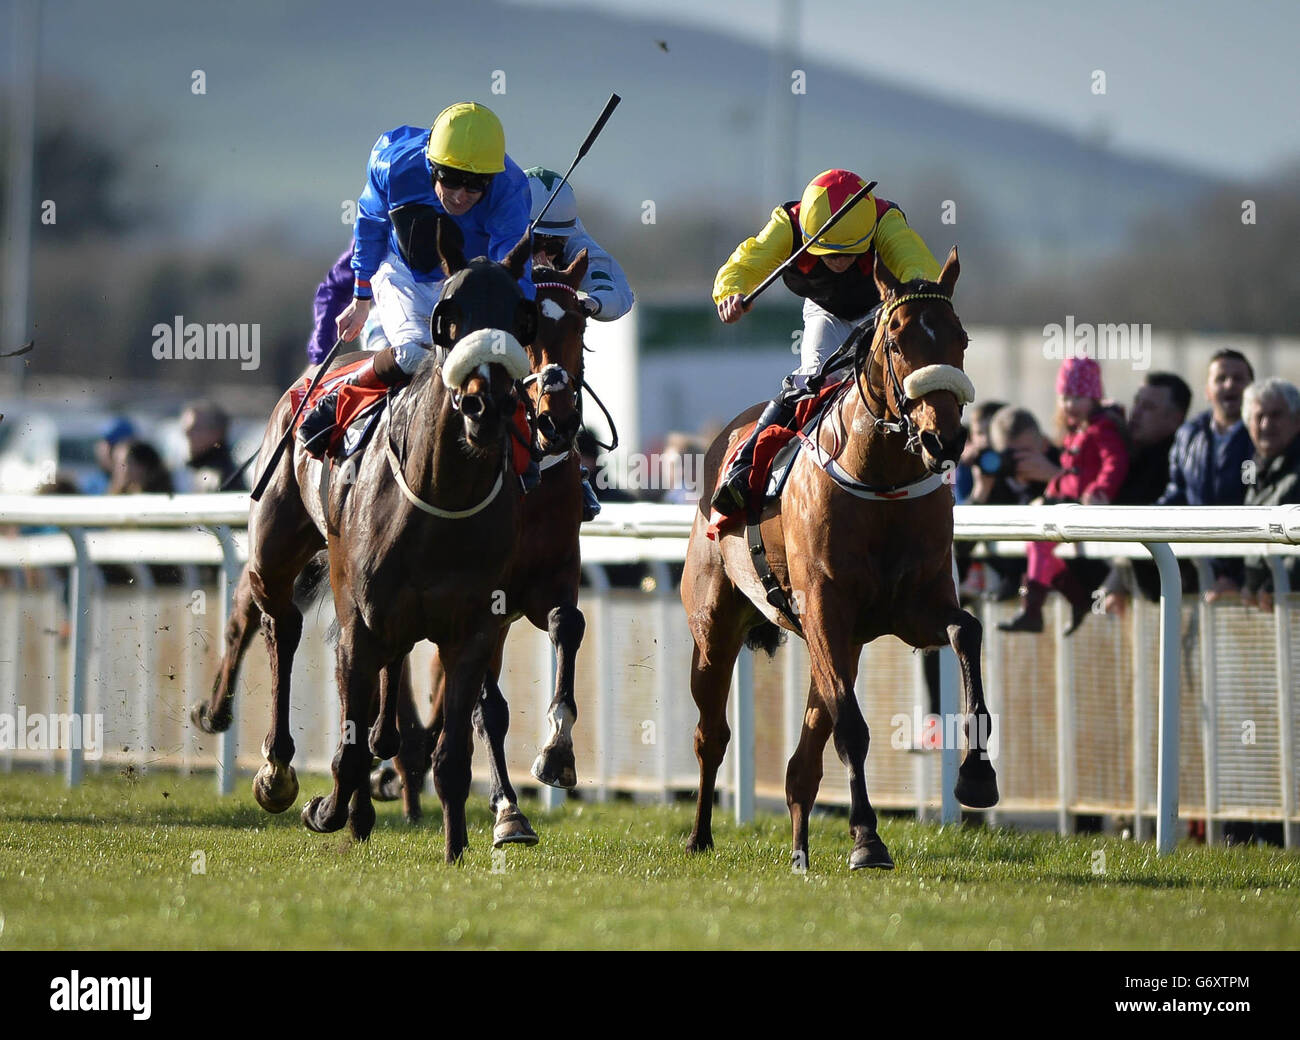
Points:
(466, 665)
(405, 778)
(803, 774)
(385, 741)
(276, 784)
(555, 765)
(349, 802)
(711, 667)
(214, 714)
(977, 782)
(491, 723)
(834, 657)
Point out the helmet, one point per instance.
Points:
(467, 136)
(825, 194)
(562, 218)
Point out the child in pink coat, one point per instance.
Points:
(1094, 463)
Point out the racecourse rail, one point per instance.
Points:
(193, 530)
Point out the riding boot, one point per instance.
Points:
(590, 503)
(732, 495)
(1030, 618)
(381, 371)
(1080, 601)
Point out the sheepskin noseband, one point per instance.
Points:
(484, 347)
(939, 377)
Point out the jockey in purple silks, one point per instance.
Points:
(332, 298)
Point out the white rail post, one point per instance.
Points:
(742, 740)
(79, 608)
(604, 677)
(1285, 695)
(950, 809)
(1209, 704)
(664, 679)
(231, 569)
(1141, 716)
(1065, 700)
(1171, 605)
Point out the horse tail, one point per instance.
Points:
(765, 636)
(313, 580)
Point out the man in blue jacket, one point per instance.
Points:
(1205, 463)
(458, 169)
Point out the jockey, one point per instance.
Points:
(560, 237)
(458, 169)
(557, 240)
(835, 280)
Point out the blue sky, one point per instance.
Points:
(1211, 84)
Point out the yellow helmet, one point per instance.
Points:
(468, 136)
(823, 197)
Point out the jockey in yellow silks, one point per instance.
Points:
(834, 278)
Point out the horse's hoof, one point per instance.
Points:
(977, 792)
(275, 792)
(361, 820)
(385, 784)
(413, 816)
(309, 817)
(871, 854)
(203, 718)
(512, 828)
(385, 744)
(695, 843)
(556, 767)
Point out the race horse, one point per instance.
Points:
(543, 584)
(859, 546)
(420, 537)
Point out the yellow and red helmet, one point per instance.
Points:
(823, 197)
(468, 136)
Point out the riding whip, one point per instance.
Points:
(610, 105)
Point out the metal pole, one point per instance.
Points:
(1065, 785)
(665, 681)
(1171, 605)
(1285, 696)
(79, 639)
(1209, 704)
(1141, 716)
(742, 741)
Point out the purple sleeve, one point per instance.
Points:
(332, 297)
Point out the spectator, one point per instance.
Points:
(1013, 469)
(976, 444)
(1159, 409)
(138, 468)
(117, 431)
(1094, 463)
(1272, 413)
(1208, 453)
(206, 427)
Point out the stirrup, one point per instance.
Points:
(731, 499)
(590, 503)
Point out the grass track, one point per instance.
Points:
(109, 866)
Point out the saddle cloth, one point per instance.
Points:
(771, 463)
(359, 406)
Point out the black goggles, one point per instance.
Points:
(454, 179)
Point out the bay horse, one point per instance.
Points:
(855, 567)
(543, 584)
(420, 537)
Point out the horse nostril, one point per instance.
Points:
(546, 426)
(472, 406)
(930, 442)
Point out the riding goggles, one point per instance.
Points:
(453, 179)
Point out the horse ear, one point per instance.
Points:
(577, 270)
(948, 276)
(450, 251)
(518, 256)
(885, 280)
(526, 320)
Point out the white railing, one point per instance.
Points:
(125, 530)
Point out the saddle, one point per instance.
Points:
(774, 456)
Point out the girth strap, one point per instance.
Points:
(775, 593)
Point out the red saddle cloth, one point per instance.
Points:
(770, 442)
(353, 400)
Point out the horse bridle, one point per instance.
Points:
(862, 363)
(554, 379)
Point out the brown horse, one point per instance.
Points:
(855, 567)
(543, 586)
(420, 538)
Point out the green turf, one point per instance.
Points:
(110, 865)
